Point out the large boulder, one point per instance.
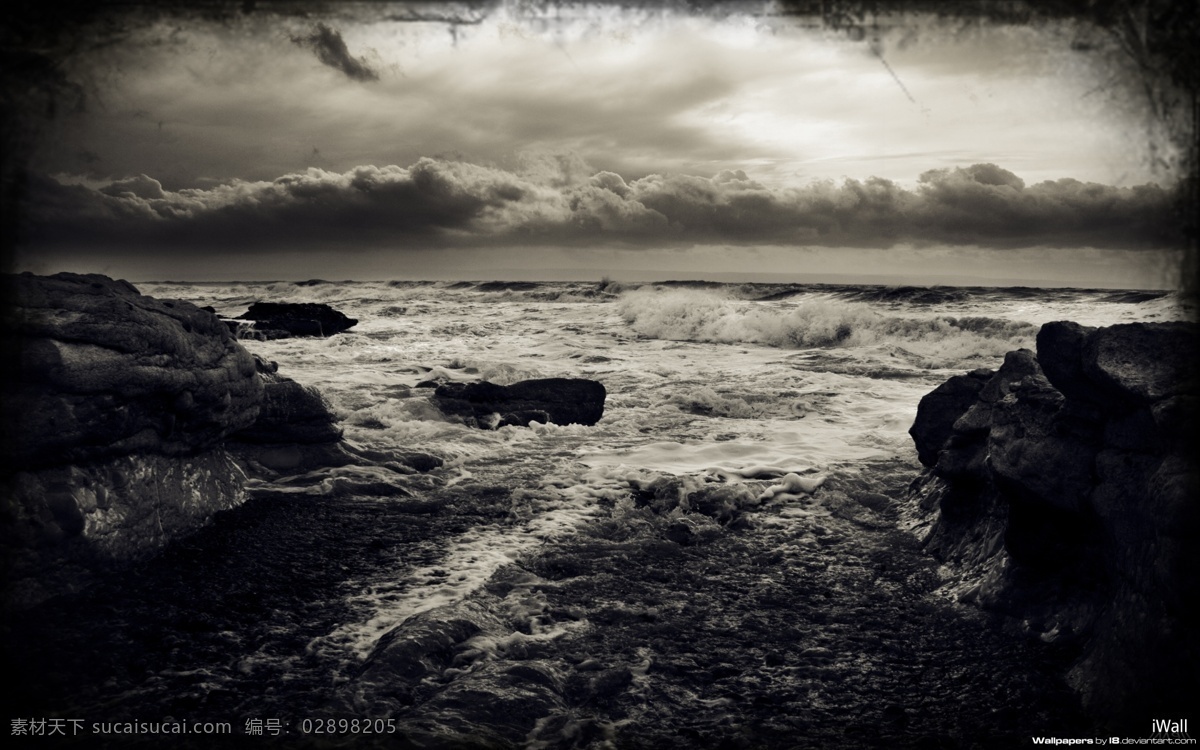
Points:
(556, 400)
(1142, 362)
(115, 406)
(130, 421)
(275, 320)
(1060, 348)
(1067, 492)
(94, 369)
(290, 413)
(295, 431)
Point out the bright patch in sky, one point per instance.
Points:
(590, 127)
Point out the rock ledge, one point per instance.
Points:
(1063, 488)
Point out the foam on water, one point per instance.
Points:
(697, 457)
(709, 382)
(711, 316)
(468, 562)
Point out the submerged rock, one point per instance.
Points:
(446, 674)
(274, 320)
(1067, 489)
(556, 400)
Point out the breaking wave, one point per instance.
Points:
(699, 315)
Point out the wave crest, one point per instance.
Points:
(699, 315)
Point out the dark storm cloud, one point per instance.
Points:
(426, 200)
(445, 203)
(331, 49)
(985, 203)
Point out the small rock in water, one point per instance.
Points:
(284, 319)
(556, 400)
(680, 533)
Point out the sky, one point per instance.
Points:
(594, 140)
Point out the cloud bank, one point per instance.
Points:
(558, 201)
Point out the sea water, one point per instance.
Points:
(740, 384)
(700, 378)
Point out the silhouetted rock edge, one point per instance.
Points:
(1062, 487)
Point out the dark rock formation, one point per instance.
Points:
(557, 400)
(938, 411)
(97, 370)
(295, 430)
(296, 433)
(1068, 495)
(62, 524)
(291, 413)
(115, 407)
(276, 320)
(130, 421)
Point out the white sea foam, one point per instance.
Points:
(708, 316)
(469, 560)
(706, 384)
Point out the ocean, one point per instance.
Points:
(593, 618)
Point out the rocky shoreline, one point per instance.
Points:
(1058, 489)
(116, 406)
(1062, 488)
(131, 421)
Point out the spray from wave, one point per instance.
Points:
(705, 316)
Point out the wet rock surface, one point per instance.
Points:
(1066, 492)
(276, 320)
(115, 408)
(556, 400)
(121, 413)
(290, 413)
(940, 409)
(64, 524)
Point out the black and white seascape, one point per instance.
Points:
(840, 383)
